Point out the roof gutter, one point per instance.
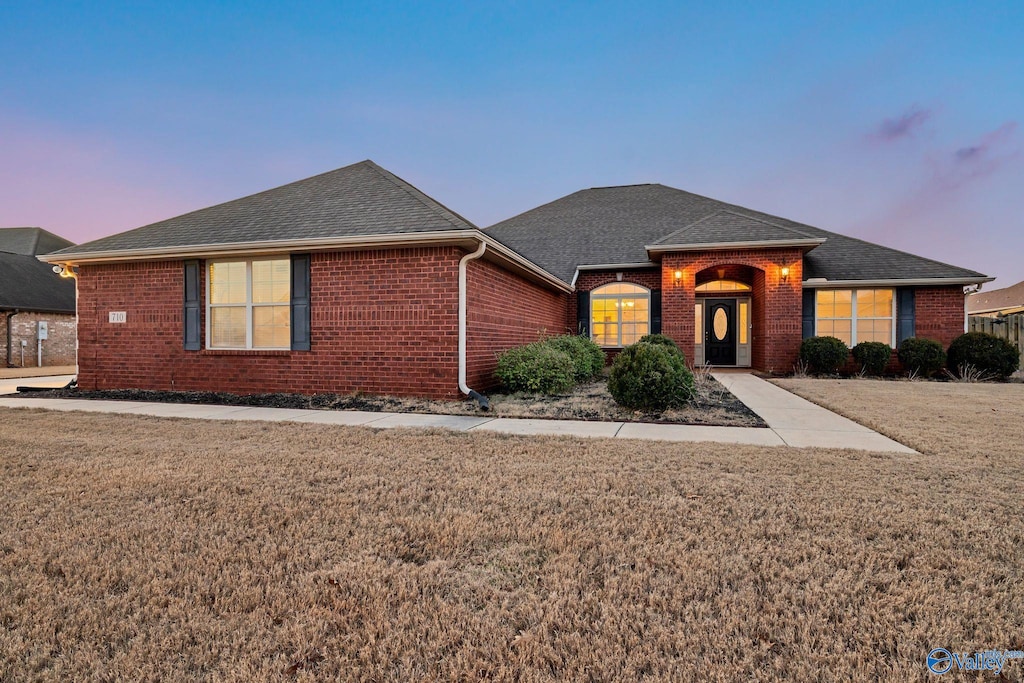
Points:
(465, 238)
(463, 387)
(983, 311)
(822, 283)
(809, 243)
(612, 266)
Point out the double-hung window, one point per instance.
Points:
(856, 315)
(249, 304)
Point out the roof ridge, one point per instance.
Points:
(766, 222)
(536, 208)
(419, 195)
(689, 226)
(615, 187)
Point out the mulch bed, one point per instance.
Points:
(591, 402)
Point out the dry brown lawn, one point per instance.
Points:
(135, 548)
(944, 418)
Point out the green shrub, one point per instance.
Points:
(587, 357)
(537, 368)
(921, 356)
(661, 340)
(988, 354)
(650, 377)
(824, 355)
(872, 356)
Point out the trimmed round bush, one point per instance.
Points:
(872, 356)
(922, 356)
(587, 356)
(650, 377)
(986, 353)
(661, 340)
(824, 355)
(537, 368)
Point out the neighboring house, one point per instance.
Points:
(33, 296)
(997, 302)
(354, 280)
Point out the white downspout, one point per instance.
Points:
(462, 325)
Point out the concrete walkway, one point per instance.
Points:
(800, 423)
(792, 420)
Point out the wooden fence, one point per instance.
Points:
(1010, 328)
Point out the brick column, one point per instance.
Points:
(677, 301)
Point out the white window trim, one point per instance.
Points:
(249, 305)
(618, 324)
(853, 312)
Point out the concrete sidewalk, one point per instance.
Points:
(45, 371)
(9, 385)
(792, 420)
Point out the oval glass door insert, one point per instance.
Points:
(720, 324)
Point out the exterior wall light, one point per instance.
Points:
(678, 274)
(785, 273)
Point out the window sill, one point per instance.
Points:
(245, 352)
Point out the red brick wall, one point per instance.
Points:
(505, 310)
(939, 313)
(382, 322)
(777, 305)
(58, 347)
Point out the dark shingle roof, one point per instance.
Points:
(26, 283)
(613, 225)
(30, 241)
(361, 199)
(998, 299)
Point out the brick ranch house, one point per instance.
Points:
(354, 280)
(34, 298)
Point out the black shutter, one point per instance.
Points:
(193, 333)
(808, 313)
(904, 313)
(583, 314)
(300, 302)
(655, 311)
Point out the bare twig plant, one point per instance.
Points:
(968, 373)
(706, 389)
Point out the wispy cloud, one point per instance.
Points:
(950, 173)
(987, 148)
(902, 126)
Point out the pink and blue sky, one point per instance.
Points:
(895, 122)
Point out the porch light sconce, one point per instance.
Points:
(785, 273)
(678, 276)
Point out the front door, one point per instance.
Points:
(720, 331)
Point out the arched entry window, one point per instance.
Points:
(723, 286)
(620, 314)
